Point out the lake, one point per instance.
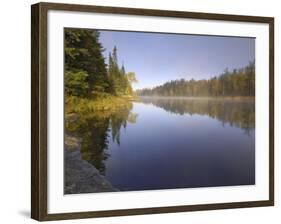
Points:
(165, 143)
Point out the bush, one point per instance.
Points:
(76, 83)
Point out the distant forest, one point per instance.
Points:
(86, 73)
(238, 82)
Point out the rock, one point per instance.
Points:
(82, 177)
(71, 143)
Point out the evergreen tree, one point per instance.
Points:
(83, 53)
(123, 81)
(120, 82)
(86, 74)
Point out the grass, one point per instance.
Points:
(102, 106)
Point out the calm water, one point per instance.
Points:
(162, 143)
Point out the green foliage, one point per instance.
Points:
(83, 52)
(120, 82)
(76, 83)
(83, 57)
(236, 83)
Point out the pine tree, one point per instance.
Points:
(86, 74)
(83, 53)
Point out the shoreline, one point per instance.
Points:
(202, 97)
(79, 175)
(87, 105)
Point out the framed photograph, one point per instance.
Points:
(139, 111)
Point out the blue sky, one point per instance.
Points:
(157, 58)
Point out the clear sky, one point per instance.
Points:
(157, 58)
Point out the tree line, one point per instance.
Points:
(238, 82)
(86, 72)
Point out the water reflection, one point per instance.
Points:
(94, 130)
(238, 113)
(98, 130)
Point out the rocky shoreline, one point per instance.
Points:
(79, 175)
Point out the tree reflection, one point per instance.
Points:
(94, 130)
(238, 112)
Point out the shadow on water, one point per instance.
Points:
(95, 129)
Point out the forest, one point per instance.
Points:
(238, 82)
(87, 75)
